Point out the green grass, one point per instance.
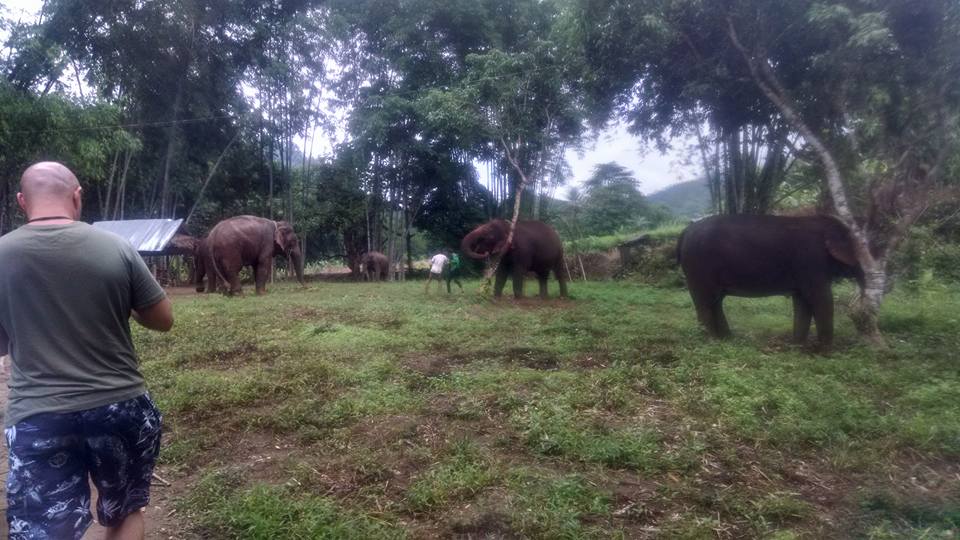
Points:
(268, 512)
(667, 231)
(459, 476)
(371, 410)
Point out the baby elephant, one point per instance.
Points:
(375, 266)
(767, 256)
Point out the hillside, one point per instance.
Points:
(685, 200)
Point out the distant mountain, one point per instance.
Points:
(685, 200)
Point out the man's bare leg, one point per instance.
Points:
(132, 528)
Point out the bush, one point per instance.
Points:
(926, 256)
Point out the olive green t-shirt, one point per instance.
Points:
(66, 292)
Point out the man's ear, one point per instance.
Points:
(78, 201)
(22, 202)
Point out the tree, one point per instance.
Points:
(612, 202)
(653, 65)
(54, 127)
(869, 90)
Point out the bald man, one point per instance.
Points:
(78, 406)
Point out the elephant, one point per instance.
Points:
(536, 247)
(251, 241)
(375, 266)
(751, 255)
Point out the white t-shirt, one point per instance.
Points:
(437, 262)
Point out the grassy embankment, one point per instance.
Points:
(371, 410)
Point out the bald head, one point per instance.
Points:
(49, 188)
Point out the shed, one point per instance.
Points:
(151, 237)
(157, 240)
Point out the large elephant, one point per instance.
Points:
(375, 266)
(767, 256)
(536, 248)
(252, 241)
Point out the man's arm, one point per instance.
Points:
(150, 306)
(156, 317)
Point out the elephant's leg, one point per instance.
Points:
(704, 303)
(499, 282)
(723, 328)
(214, 282)
(542, 279)
(234, 280)
(801, 318)
(561, 279)
(821, 302)
(518, 273)
(261, 273)
(230, 272)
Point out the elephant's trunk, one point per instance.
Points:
(466, 246)
(295, 259)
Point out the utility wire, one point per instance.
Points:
(126, 126)
(388, 94)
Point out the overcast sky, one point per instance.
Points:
(655, 171)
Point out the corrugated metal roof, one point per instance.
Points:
(146, 235)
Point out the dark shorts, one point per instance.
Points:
(51, 454)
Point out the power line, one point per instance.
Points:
(126, 126)
(387, 93)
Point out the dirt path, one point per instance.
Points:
(161, 524)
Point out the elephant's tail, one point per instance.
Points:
(216, 270)
(680, 244)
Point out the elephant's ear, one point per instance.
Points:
(278, 235)
(840, 246)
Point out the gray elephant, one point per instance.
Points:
(766, 256)
(374, 266)
(251, 241)
(536, 247)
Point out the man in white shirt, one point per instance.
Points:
(437, 262)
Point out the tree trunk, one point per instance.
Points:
(122, 189)
(206, 182)
(105, 208)
(171, 147)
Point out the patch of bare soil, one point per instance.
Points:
(382, 321)
(594, 360)
(257, 455)
(659, 351)
(435, 366)
(534, 302)
(532, 358)
(474, 524)
(242, 354)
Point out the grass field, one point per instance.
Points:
(375, 411)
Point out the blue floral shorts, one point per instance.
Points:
(51, 455)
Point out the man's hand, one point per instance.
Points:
(156, 317)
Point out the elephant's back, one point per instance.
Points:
(543, 238)
(246, 233)
(238, 223)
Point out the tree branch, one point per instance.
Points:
(768, 83)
